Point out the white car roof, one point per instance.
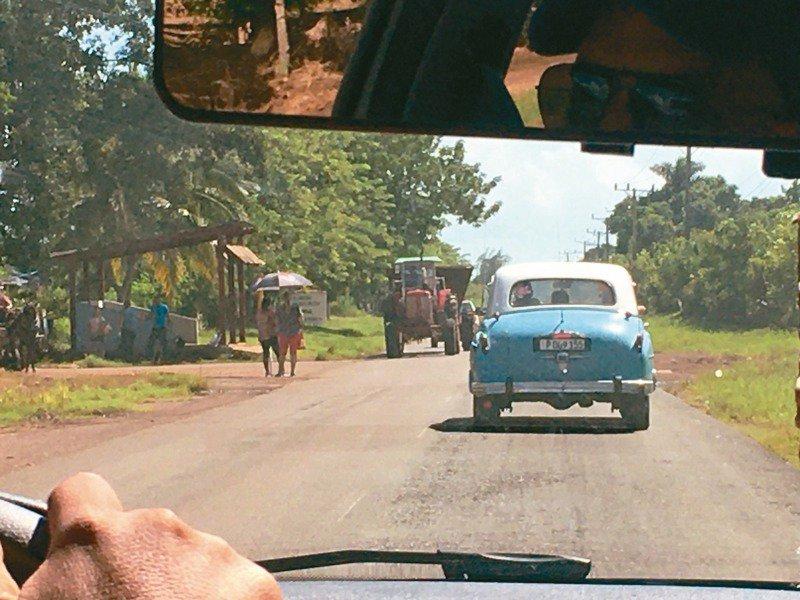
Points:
(616, 276)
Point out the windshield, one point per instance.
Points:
(219, 324)
(538, 292)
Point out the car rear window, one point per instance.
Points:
(544, 292)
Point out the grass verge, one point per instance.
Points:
(340, 338)
(344, 337)
(754, 393)
(756, 396)
(80, 397)
(672, 335)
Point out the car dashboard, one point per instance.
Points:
(449, 590)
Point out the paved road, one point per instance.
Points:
(382, 454)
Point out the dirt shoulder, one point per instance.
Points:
(676, 370)
(31, 443)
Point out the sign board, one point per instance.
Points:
(314, 304)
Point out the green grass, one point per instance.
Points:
(95, 396)
(755, 393)
(757, 397)
(528, 107)
(340, 338)
(671, 335)
(344, 337)
(93, 361)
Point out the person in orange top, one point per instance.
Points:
(290, 332)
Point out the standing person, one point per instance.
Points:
(98, 328)
(267, 332)
(158, 337)
(5, 305)
(290, 332)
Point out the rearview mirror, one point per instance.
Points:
(676, 72)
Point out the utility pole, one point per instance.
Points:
(633, 201)
(568, 254)
(282, 33)
(585, 246)
(598, 233)
(604, 221)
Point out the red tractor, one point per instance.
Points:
(424, 303)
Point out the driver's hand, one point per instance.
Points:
(98, 550)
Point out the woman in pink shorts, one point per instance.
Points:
(289, 319)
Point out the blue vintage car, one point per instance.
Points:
(563, 334)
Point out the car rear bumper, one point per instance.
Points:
(619, 386)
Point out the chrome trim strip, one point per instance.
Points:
(566, 387)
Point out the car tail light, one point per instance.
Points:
(563, 335)
(638, 342)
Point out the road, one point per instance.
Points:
(381, 453)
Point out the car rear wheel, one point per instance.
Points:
(484, 411)
(636, 412)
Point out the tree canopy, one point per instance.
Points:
(708, 254)
(89, 154)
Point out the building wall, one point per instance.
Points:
(185, 328)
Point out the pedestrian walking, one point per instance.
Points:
(289, 319)
(267, 333)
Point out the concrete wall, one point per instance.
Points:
(314, 304)
(185, 328)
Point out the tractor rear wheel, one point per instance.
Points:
(451, 340)
(394, 345)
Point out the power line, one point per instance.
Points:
(604, 221)
(633, 208)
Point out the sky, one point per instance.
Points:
(550, 190)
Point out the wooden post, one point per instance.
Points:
(281, 32)
(73, 282)
(233, 316)
(221, 309)
(101, 279)
(83, 293)
(242, 300)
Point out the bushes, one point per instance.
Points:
(739, 274)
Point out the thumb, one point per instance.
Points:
(8, 587)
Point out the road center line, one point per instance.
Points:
(352, 506)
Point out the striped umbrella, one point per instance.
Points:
(282, 280)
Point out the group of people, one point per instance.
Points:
(98, 328)
(280, 331)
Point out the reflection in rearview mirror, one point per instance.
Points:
(668, 70)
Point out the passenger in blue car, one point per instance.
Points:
(523, 295)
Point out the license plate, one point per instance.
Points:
(551, 345)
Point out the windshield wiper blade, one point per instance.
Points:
(459, 566)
